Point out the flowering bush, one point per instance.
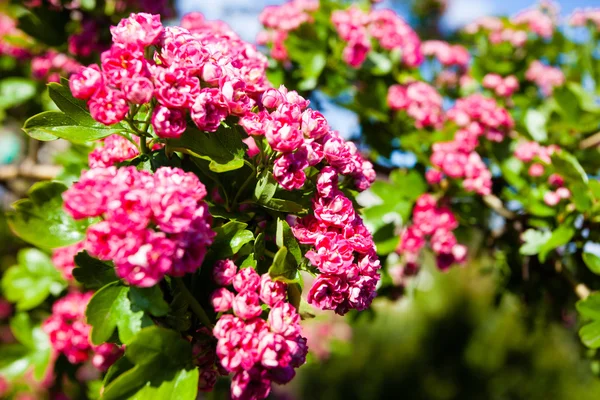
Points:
(502, 127)
(205, 177)
(213, 188)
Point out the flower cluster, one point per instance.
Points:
(207, 72)
(497, 32)
(475, 116)
(114, 149)
(132, 203)
(540, 20)
(436, 223)
(8, 28)
(255, 351)
(546, 77)
(586, 16)
(420, 101)
(502, 87)
(303, 138)
(343, 252)
(391, 32)
(51, 65)
(69, 334)
(64, 259)
(280, 20)
(447, 54)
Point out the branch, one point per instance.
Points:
(29, 170)
(591, 141)
(496, 204)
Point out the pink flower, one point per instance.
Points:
(536, 170)
(337, 211)
(284, 320)
(288, 170)
(246, 280)
(108, 106)
(115, 149)
(175, 88)
(209, 110)
(138, 90)
(140, 29)
(222, 300)
(224, 272)
(246, 305)
(87, 82)
(63, 259)
(271, 292)
(326, 293)
(168, 123)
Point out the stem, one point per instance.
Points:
(591, 141)
(496, 204)
(144, 145)
(269, 253)
(242, 188)
(194, 305)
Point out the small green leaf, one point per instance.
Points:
(265, 188)
(230, 239)
(50, 125)
(223, 148)
(41, 221)
(534, 240)
(282, 269)
(160, 363)
(535, 122)
(560, 236)
(150, 300)
(593, 263)
(32, 353)
(91, 272)
(15, 91)
(285, 238)
(30, 282)
(590, 335)
(590, 306)
(110, 308)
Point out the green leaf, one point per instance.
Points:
(593, 263)
(282, 205)
(230, 239)
(590, 306)
(161, 368)
(282, 269)
(285, 238)
(534, 240)
(223, 148)
(50, 125)
(91, 272)
(32, 353)
(560, 236)
(45, 25)
(32, 280)
(590, 335)
(110, 308)
(150, 300)
(382, 65)
(15, 91)
(265, 188)
(535, 122)
(386, 239)
(567, 165)
(581, 196)
(41, 220)
(76, 109)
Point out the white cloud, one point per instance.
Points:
(461, 12)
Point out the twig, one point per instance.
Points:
(591, 141)
(29, 170)
(496, 204)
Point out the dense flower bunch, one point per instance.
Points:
(582, 17)
(540, 20)
(63, 259)
(69, 333)
(50, 66)
(344, 252)
(475, 116)
(447, 54)
(231, 72)
(114, 149)
(303, 138)
(546, 77)
(436, 223)
(255, 351)
(389, 31)
(420, 101)
(502, 87)
(131, 203)
(280, 20)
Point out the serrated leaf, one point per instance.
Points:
(91, 272)
(534, 240)
(110, 308)
(230, 239)
(32, 280)
(224, 148)
(160, 368)
(41, 220)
